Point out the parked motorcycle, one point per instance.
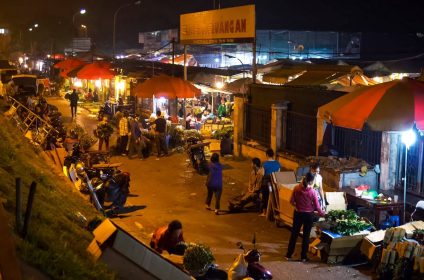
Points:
(104, 182)
(112, 187)
(196, 154)
(247, 265)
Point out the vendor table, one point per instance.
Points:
(375, 205)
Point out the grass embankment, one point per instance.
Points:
(56, 242)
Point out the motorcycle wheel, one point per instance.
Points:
(120, 201)
(100, 197)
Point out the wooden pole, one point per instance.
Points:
(254, 68)
(28, 211)
(185, 79)
(18, 209)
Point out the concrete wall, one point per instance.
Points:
(259, 152)
(305, 100)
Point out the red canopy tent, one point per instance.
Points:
(69, 63)
(166, 86)
(95, 71)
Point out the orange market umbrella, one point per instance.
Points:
(166, 86)
(69, 63)
(393, 106)
(95, 71)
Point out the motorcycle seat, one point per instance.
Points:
(107, 165)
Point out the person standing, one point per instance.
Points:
(123, 134)
(270, 165)
(73, 99)
(305, 202)
(160, 135)
(214, 183)
(317, 186)
(136, 139)
(222, 109)
(103, 131)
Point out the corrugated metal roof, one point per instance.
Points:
(311, 78)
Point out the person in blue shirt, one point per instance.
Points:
(214, 183)
(270, 165)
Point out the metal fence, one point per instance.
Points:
(365, 144)
(258, 124)
(301, 134)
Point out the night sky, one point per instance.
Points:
(55, 16)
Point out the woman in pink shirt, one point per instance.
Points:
(305, 202)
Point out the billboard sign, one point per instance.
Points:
(230, 25)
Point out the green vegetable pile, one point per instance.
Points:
(346, 222)
(197, 257)
(220, 133)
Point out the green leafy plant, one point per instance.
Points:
(76, 131)
(346, 222)
(220, 133)
(197, 258)
(86, 141)
(334, 215)
(104, 130)
(192, 133)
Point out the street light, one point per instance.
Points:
(242, 65)
(81, 12)
(408, 138)
(84, 27)
(114, 22)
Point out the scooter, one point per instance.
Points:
(104, 182)
(196, 154)
(112, 187)
(247, 265)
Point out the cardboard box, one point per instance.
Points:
(129, 257)
(336, 201)
(368, 248)
(284, 183)
(337, 247)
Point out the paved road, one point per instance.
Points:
(167, 189)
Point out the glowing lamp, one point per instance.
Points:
(82, 11)
(408, 138)
(219, 85)
(98, 83)
(121, 85)
(78, 84)
(21, 60)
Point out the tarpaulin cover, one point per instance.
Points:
(392, 106)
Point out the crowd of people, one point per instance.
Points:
(203, 112)
(132, 131)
